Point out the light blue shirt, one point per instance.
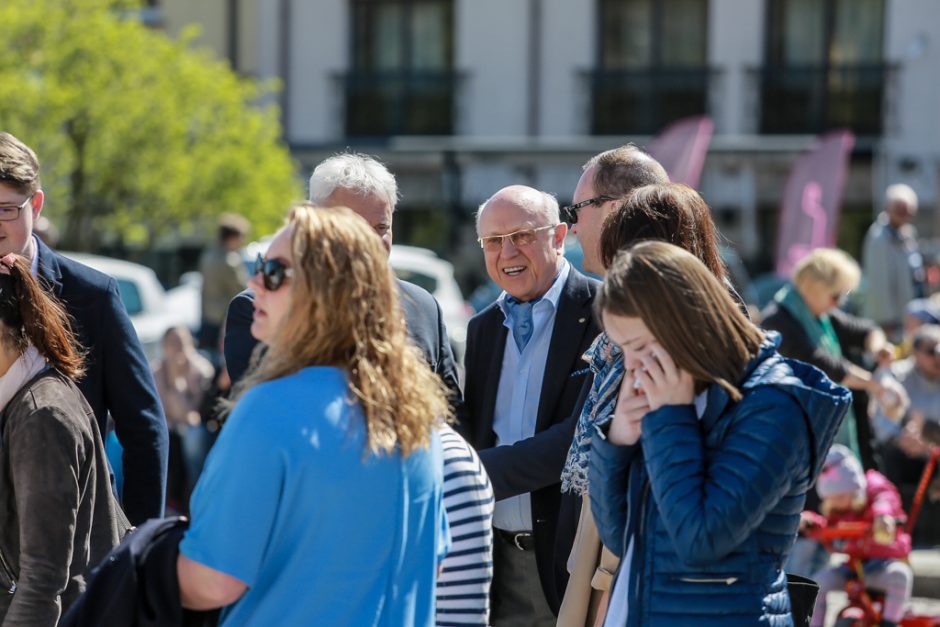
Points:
(520, 388)
(321, 532)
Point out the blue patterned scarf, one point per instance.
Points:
(606, 361)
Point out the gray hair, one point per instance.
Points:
(353, 171)
(900, 193)
(926, 333)
(548, 201)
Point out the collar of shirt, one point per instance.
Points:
(34, 262)
(551, 297)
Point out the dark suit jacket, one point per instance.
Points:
(534, 464)
(422, 316)
(117, 377)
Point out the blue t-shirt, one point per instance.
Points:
(321, 532)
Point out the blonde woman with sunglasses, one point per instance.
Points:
(321, 502)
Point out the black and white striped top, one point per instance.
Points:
(463, 586)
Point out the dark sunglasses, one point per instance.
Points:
(570, 212)
(272, 272)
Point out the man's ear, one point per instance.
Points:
(560, 232)
(37, 202)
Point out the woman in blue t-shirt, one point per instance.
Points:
(321, 502)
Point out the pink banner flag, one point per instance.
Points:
(812, 200)
(681, 148)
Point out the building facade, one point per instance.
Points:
(461, 97)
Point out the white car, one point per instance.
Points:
(423, 268)
(151, 308)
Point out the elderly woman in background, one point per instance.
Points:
(814, 329)
(321, 502)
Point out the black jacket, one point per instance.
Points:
(422, 316)
(117, 377)
(534, 464)
(136, 584)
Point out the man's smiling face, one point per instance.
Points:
(525, 271)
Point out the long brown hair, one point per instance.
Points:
(670, 212)
(687, 310)
(31, 316)
(344, 311)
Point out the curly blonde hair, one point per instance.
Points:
(344, 311)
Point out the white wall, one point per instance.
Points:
(912, 138)
(568, 47)
(492, 45)
(735, 46)
(320, 51)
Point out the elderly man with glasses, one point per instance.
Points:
(524, 373)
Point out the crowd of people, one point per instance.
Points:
(632, 451)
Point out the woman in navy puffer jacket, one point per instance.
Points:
(698, 480)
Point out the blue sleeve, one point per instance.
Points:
(608, 478)
(236, 501)
(130, 396)
(239, 342)
(710, 506)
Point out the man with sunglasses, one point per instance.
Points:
(117, 380)
(605, 180)
(368, 188)
(524, 373)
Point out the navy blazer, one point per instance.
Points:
(534, 464)
(422, 316)
(117, 377)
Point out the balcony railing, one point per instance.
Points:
(813, 99)
(380, 104)
(642, 102)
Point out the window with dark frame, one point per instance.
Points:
(652, 65)
(824, 67)
(402, 79)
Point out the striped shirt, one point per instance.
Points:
(463, 586)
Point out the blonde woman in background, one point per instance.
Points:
(814, 329)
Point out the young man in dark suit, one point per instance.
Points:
(524, 375)
(368, 188)
(117, 377)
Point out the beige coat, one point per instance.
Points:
(592, 568)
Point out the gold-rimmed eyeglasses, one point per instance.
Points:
(520, 238)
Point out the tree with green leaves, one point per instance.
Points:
(140, 136)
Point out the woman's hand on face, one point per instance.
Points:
(663, 381)
(628, 414)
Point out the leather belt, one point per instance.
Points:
(522, 540)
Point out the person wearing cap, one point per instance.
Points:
(223, 276)
(850, 494)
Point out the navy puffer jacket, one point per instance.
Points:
(714, 504)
